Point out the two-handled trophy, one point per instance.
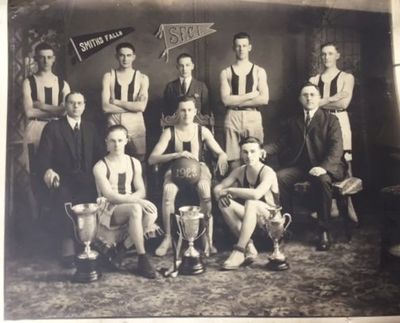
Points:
(276, 224)
(85, 219)
(190, 222)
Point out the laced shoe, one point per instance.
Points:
(145, 268)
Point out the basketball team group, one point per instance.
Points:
(76, 164)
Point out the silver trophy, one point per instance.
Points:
(275, 225)
(190, 222)
(85, 220)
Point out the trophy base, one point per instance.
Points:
(191, 266)
(277, 265)
(86, 270)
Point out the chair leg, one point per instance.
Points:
(351, 211)
(343, 206)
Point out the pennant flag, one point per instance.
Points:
(86, 45)
(178, 34)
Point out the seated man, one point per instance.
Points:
(115, 176)
(245, 197)
(311, 147)
(186, 140)
(68, 149)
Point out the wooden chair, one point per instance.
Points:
(342, 192)
(188, 196)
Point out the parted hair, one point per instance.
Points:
(250, 140)
(124, 45)
(116, 127)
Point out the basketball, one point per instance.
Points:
(185, 171)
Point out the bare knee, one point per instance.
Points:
(136, 212)
(204, 190)
(169, 193)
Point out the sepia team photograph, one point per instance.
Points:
(200, 160)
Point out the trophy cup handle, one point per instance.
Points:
(72, 216)
(289, 217)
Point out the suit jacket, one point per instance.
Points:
(323, 140)
(173, 91)
(57, 150)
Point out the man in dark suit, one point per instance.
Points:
(311, 149)
(185, 85)
(68, 149)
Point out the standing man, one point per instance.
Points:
(311, 148)
(43, 96)
(115, 176)
(245, 198)
(186, 139)
(68, 149)
(185, 85)
(244, 90)
(124, 99)
(336, 88)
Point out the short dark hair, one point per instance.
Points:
(43, 46)
(116, 127)
(329, 43)
(241, 35)
(250, 140)
(74, 92)
(124, 45)
(306, 84)
(183, 55)
(186, 98)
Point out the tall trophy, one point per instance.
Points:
(190, 221)
(275, 225)
(84, 218)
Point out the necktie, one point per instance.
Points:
(78, 144)
(308, 118)
(185, 86)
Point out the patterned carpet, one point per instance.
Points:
(345, 281)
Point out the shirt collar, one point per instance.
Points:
(189, 79)
(73, 122)
(312, 112)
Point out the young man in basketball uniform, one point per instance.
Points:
(124, 99)
(43, 96)
(245, 197)
(115, 175)
(244, 89)
(186, 140)
(185, 84)
(336, 87)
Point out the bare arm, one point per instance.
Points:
(263, 92)
(140, 104)
(222, 162)
(229, 99)
(267, 178)
(104, 186)
(226, 183)
(157, 156)
(342, 98)
(106, 97)
(36, 109)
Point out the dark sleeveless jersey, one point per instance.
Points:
(121, 182)
(273, 196)
(195, 145)
(49, 95)
(333, 86)
(131, 91)
(249, 82)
